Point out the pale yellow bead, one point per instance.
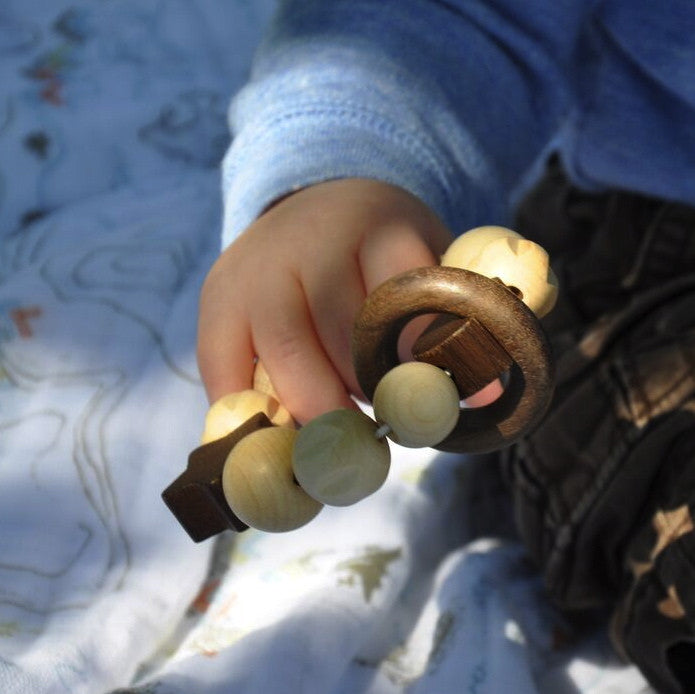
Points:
(262, 382)
(464, 249)
(338, 459)
(258, 483)
(419, 402)
(232, 410)
(502, 253)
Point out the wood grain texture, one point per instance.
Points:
(419, 403)
(262, 382)
(233, 409)
(464, 348)
(338, 459)
(259, 486)
(464, 294)
(520, 264)
(195, 497)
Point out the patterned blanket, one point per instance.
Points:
(112, 125)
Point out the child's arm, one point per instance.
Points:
(449, 101)
(288, 289)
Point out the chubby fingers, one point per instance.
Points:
(289, 289)
(294, 356)
(334, 295)
(390, 253)
(225, 350)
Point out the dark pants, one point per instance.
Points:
(604, 489)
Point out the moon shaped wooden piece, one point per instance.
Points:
(464, 294)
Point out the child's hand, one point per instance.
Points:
(289, 288)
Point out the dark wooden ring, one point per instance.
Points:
(465, 294)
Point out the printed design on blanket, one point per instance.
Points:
(227, 609)
(96, 96)
(408, 663)
(39, 143)
(193, 129)
(62, 424)
(367, 569)
(96, 535)
(52, 68)
(17, 318)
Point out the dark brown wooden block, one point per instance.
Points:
(465, 295)
(196, 498)
(465, 349)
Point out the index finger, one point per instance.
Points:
(225, 349)
(285, 337)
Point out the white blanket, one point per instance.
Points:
(112, 122)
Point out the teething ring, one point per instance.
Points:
(464, 294)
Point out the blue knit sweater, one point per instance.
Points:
(459, 101)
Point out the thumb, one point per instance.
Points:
(392, 252)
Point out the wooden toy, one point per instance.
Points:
(233, 409)
(255, 469)
(196, 498)
(340, 457)
(487, 331)
(418, 402)
(258, 482)
(521, 265)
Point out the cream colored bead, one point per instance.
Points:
(232, 410)
(419, 402)
(498, 252)
(338, 459)
(258, 484)
(464, 250)
(262, 382)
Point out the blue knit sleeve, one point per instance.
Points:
(451, 100)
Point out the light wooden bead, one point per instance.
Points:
(262, 382)
(519, 263)
(232, 410)
(465, 249)
(258, 484)
(419, 402)
(338, 459)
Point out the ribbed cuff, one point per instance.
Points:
(307, 128)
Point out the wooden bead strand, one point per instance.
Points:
(255, 469)
(257, 478)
